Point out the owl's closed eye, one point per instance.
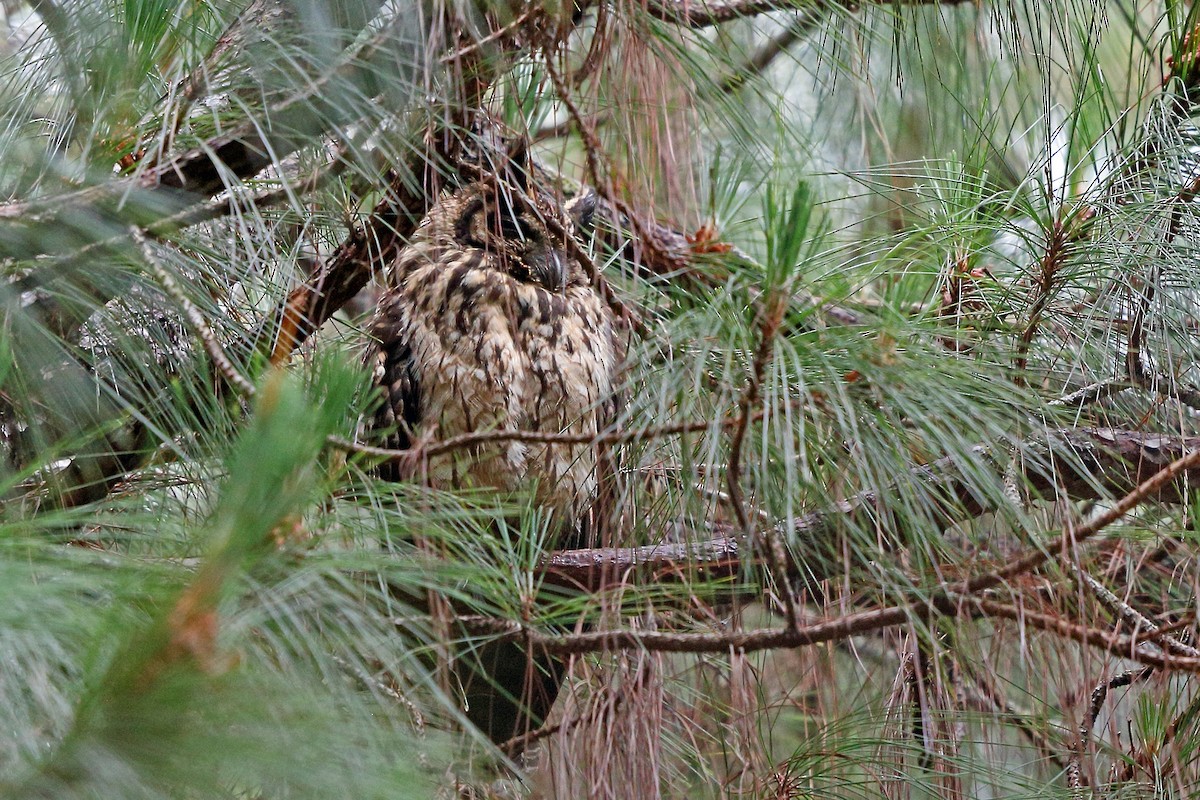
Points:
(516, 235)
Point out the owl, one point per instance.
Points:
(492, 325)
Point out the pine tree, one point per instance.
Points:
(900, 498)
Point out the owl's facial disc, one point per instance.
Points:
(514, 234)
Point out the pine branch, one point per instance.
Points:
(821, 631)
(1078, 464)
(705, 15)
(1075, 778)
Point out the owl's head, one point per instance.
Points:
(522, 233)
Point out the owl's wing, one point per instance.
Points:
(393, 369)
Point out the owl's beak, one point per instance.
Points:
(550, 270)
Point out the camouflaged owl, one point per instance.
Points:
(492, 325)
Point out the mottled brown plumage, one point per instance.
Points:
(491, 325)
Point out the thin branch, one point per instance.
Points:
(507, 33)
(465, 440)
(1136, 366)
(367, 249)
(1180, 80)
(1058, 241)
(1130, 615)
(705, 14)
(208, 337)
(251, 147)
(1119, 645)
(597, 49)
(819, 632)
(805, 23)
(771, 310)
(1148, 489)
(1091, 394)
(1075, 778)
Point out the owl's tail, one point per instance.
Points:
(508, 689)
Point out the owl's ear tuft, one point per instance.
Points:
(582, 208)
(518, 167)
(465, 228)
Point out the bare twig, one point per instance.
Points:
(723, 497)
(1092, 393)
(508, 32)
(1137, 621)
(432, 449)
(805, 23)
(1075, 777)
(208, 338)
(706, 14)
